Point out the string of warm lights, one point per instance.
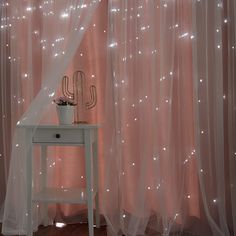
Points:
(127, 49)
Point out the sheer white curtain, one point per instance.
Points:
(231, 99)
(170, 137)
(5, 112)
(44, 37)
(214, 82)
(169, 143)
(151, 150)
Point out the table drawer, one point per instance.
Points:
(58, 136)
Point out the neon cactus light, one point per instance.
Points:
(77, 93)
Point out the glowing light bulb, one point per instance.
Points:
(60, 225)
(51, 94)
(113, 44)
(183, 35)
(113, 10)
(64, 15)
(83, 6)
(29, 9)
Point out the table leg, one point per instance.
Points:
(44, 182)
(29, 183)
(96, 178)
(88, 163)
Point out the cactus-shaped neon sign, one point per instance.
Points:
(77, 94)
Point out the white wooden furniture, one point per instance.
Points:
(63, 135)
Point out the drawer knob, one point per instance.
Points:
(58, 135)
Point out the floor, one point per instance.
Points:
(68, 230)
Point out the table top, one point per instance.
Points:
(56, 126)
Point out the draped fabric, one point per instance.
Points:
(152, 149)
(167, 145)
(5, 113)
(171, 138)
(44, 38)
(214, 66)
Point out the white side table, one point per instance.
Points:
(64, 135)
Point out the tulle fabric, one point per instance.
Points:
(44, 38)
(5, 112)
(169, 133)
(214, 83)
(151, 148)
(169, 141)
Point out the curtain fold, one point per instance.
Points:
(209, 100)
(5, 114)
(231, 101)
(214, 108)
(44, 37)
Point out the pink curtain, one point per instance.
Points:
(165, 76)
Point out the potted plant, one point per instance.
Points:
(65, 110)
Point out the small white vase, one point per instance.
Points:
(65, 114)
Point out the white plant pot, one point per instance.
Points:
(65, 114)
